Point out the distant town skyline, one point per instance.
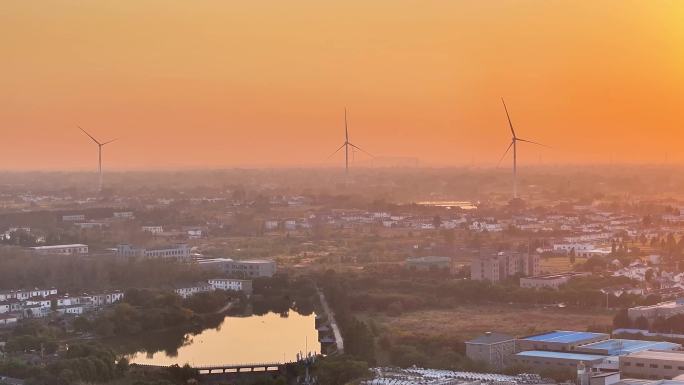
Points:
(244, 84)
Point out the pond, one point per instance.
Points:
(266, 338)
(463, 205)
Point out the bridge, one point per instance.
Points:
(263, 367)
(241, 368)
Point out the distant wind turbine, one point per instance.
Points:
(514, 144)
(348, 144)
(99, 154)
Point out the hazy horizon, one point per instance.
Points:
(220, 84)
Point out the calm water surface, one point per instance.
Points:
(239, 340)
(464, 205)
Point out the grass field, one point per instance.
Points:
(465, 322)
(558, 264)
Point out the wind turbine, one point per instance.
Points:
(348, 144)
(99, 154)
(514, 144)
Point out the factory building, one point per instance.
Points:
(499, 266)
(660, 310)
(621, 347)
(549, 281)
(540, 360)
(75, 249)
(653, 364)
(248, 268)
(559, 341)
(495, 349)
(180, 252)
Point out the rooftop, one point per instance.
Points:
(428, 259)
(564, 336)
(620, 346)
(569, 274)
(663, 305)
(58, 246)
(563, 355)
(491, 338)
(660, 355)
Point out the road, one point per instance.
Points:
(333, 323)
(226, 307)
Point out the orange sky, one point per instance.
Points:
(249, 83)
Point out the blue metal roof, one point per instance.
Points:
(563, 355)
(563, 336)
(619, 346)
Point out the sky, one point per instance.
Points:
(264, 83)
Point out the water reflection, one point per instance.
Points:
(463, 205)
(257, 338)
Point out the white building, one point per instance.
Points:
(188, 291)
(36, 309)
(71, 309)
(496, 267)
(180, 252)
(568, 248)
(26, 294)
(661, 310)
(484, 226)
(124, 215)
(74, 249)
(549, 281)
(73, 218)
(153, 229)
(242, 285)
(271, 225)
(8, 320)
(252, 268)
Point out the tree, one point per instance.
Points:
(621, 319)
(642, 323)
(340, 370)
(81, 324)
(437, 222)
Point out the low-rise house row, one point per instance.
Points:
(190, 290)
(26, 294)
(242, 285)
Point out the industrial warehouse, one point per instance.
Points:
(601, 357)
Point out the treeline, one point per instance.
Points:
(74, 273)
(32, 335)
(150, 310)
(396, 291)
(91, 363)
(359, 341)
(282, 293)
(393, 291)
(363, 338)
(669, 325)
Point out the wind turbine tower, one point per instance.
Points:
(514, 143)
(99, 155)
(348, 144)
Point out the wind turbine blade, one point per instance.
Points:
(529, 141)
(362, 150)
(504, 155)
(336, 151)
(346, 129)
(91, 137)
(113, 140)
(510, 124)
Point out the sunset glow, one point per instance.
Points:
(264, 83)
